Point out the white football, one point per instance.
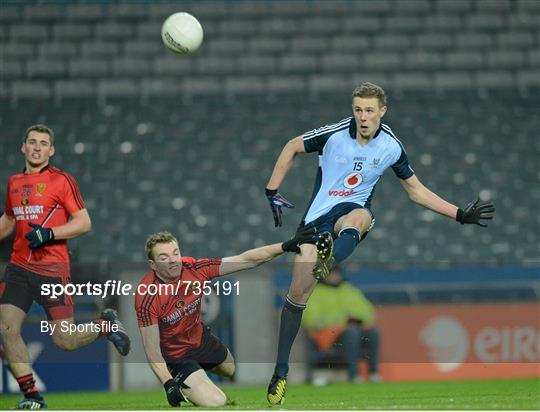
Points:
(182, 33)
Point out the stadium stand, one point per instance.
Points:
(152, 137)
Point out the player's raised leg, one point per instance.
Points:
(16, 353)
(69, 338)
(300, 290)
(350, 229)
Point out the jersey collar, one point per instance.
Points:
(44, 168)
(352, 130)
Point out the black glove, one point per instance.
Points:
(276, 203)
(474, 212)
(39, 236)
(174, 394)
(306, 234)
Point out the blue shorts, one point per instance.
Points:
(326, 222)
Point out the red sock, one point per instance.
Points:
(27, 383)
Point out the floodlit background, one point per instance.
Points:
(186, 143)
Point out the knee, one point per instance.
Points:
(63, 341)
(213, 398)
(308, 253)
(229, 370)
(360, 219)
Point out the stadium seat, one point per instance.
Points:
(85, 12)
(286, 84)
(29, 32)
(97, 48)
(11, 69)
(113, 31)
(89, 67)
(74, 88)
(169, 65)
(256, 64)
(57, 49)
(474, 40)
(437, 23)
(505, 59)
(10, 13)
(30, 89)
(362, 25)
(295, 63)
(392, 41)
(266, 44)
(328, 84)
(46, 68)
(528, 6)
(130, 67)
(68, 31)
(464, 60)
(516, 39)
(495, 79)
(422, 60)
(43, 12)
(460, 7)
(501, 6)
(341, 62)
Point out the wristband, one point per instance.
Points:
(459, 215)
(169, 384)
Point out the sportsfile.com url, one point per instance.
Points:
(119, 288)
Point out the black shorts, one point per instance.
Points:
(20, 287)
(326, 222)
(211, 353)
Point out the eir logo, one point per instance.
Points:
(447, 342)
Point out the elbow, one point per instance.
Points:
(290, 149)
(86, 227)
(414, 197)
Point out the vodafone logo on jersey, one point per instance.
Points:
(352, 180)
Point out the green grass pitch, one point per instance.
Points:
(521, 394)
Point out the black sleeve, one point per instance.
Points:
(314, 142)
(401, 168)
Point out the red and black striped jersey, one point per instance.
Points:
(48, 197)
(177, 307)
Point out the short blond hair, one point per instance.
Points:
(156, 238)
(368, 89)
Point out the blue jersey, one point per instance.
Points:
(347, 171)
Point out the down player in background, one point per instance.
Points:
(178, 346)
(353, 155)
(45, 208)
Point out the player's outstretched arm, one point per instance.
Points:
(250, 258)
(474, 213)
(150, 338)
(255, 257)
(7, 225)
(281, 168)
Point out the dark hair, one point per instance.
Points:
(40, 128)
